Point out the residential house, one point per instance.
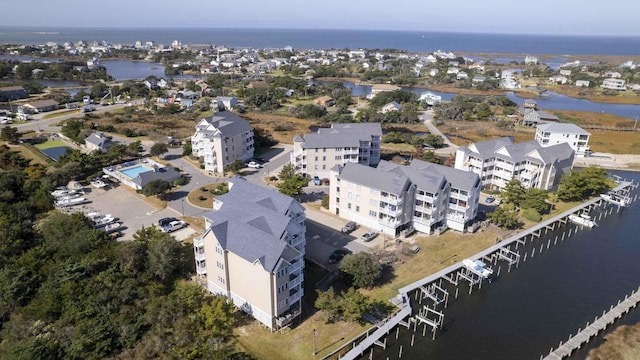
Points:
(221, 103)
(325, 101)
(613, 84)
(392, 106)
(530, 104)
(509, 83)
(530, 60)
(9, 93)
(533, 116)
(424, 196)
(558, 79)
(498, 161)
(583, 83)
(317, 153)
(556, 133)
(252, 252)
(433, 72)
(565, 72)
(453, 70)
(461, 75)
(430, 98)
(257, 85)
(222, 139)
(98, 142)
(613, 74)
(478, 79)
(477, 67)
(40, 106)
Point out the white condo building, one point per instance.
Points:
(498, 161)
(317, 153)
(556, 133)
(252, 252)
(222, 139)
(426, 196)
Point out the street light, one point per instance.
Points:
(182, 205)
(314, 342)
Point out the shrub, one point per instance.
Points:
(532, 215)
(181, 181)
(325, 202)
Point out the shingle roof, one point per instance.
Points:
(460, 179)
(563, 128)
(384, 178)
(166, 173)
(251, 221)
(486, 149)
(553, 153)
(228, 123)
(342, 135)
(519, 151)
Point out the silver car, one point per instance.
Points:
(369, 235)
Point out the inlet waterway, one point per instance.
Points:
(524, 313)
(553, 101)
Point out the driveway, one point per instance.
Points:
(427, 118)
(275, 159)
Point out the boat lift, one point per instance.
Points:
(430, 317)
(435, 293)
(511, 257)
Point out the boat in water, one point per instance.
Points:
(477, 267)
(582, 219)
(616, 199)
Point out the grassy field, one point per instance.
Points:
(50, 144)
(592, 118)
(282, 128)
(595, 95)
(61, 113)
(622, 344)
(466, 132)
(35, 156)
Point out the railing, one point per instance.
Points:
(387, 210)
(199, 255)
(295, 281)
(201, 269)
(198, 241)
(392, 200)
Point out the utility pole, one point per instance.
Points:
(314, 342)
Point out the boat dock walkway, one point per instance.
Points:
(591, 330)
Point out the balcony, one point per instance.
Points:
(394, 212)
(294, 281)
(198, 241)
(388, 221)
(391, 199)
(201, 269)
(199, 255)
(350, 152)
(424, 209)
(296, 265)
(425, 198)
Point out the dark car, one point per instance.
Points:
(166, 221)
(349, 227)
(337, 255)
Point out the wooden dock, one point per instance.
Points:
(591, 330)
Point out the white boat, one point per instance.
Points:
(70, 202)
(582, 219)
(68, 196)
(98, 184)
(477, 267)
(108, 228)
(63, 192)
(102, 221)
(616, 199)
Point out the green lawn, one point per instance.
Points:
(50, 144)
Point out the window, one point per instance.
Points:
(324, 167)
(324, 150)
(338, 157)
(357, 208)
(315, 167)
(220, 265)
(373, 213)
(349, 206)
(219, 250)
(358, 197)
(221, 280)
(324, 158)
(316, 158)
(349, 196)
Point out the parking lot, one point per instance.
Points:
(324, 236)
(130, 209)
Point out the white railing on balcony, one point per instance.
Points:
(392, 199)
(296, 266)
(389, 211)
(389, 222)
(201, 269)
(426, 198)
(199, 255)
(424, 209)
(198, 241)
(295, 281)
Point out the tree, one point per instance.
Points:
(354, 305)
(513, 192)
(158, 149)
(156, 187)
(292, 186)
(10, 134)
(326, 302)
(163, 254)
(504, 218)
(536, 199)
(187, 149)
(363, 268)
(430, 156)
(235, 166)
(579, 185)
(288, 171)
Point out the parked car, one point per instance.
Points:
(349, 227)
(254, 165)
(490, 199)
(369, 235)
(317, 181)
(174, 226)
(165, 221)
(337, 255)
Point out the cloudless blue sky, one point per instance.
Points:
(562, 17)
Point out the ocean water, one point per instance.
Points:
(416, 41)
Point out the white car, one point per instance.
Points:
(174, 226)
(254, 165)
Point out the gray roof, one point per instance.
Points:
(342, 135)
(553, 153)
(458, 179)
(229, 123)
(166, 173)
(384, 178)
(251, 221)
(99, 140)
(487, 149)
(563, 128)
(519, 151)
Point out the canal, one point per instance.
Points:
(522, 314)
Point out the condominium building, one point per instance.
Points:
(317, 153)
(426, 196)
(252, 252)
(222, 139)
(556, 133)
(498, 161)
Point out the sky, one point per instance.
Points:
(560, 17)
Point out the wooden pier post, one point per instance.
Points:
(424, 329)
(397, 331)
(548, 243)
(525, 257)
(456, 293)
(533, 253)
(400, 353)
(413, 336)
(555, 241)
(499, 267)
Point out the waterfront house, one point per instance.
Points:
(40, 106)
(558, 79)
(583, 83)
(509, 83)
(613, 74)
(461, 75)
(452, 70)
(252, 252)
(392, 106)
(565, 72)
(317, 153)
(533, 117)
(389, 198)
(430, 98)
(222, 139)
(556, 133)
(500, 160)
(613, 84)
(478, 79)
(530, 104)
(530, 60)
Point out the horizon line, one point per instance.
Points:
(313, 29)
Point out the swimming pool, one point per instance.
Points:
(132, 172)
